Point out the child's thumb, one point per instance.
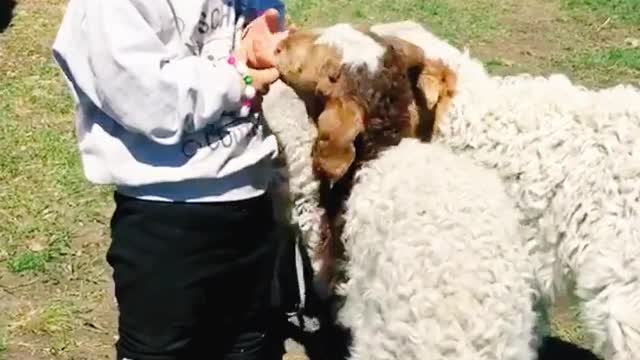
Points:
(264, 78)
(270, 75)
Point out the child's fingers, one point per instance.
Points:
(263, 78)
(264, 52)
(269, 75)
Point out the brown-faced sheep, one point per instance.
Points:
(365, 93)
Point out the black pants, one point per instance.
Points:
(192, 280)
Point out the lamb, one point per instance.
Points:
(570, 159)
(437, 266)
(359, 108)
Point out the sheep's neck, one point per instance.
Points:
(388, 101)
(379, 135)
(331, 252)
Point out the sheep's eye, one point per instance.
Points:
(333, 78)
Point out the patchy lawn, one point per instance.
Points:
(55, 289)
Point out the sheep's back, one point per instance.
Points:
(437, 266)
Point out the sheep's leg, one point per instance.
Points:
(601, 249)
(610, 307)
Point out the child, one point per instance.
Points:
(163, 112)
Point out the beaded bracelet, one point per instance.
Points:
(249, 90)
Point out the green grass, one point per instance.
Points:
(44, 196)
(609, 51)
(565, 322)
(48, 208)
(610, 65)
(624, 11)
(3, 346)
(54, 321)
(473, 20)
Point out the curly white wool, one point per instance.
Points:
(296, 186)
(571, 160)
(437, 265)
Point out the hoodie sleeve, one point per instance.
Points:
(135, 84)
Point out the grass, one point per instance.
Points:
(623, 11)
(52, 321)
(475, 19)
(41, 188)
(54, 301)
(612, 49)
(612, 64)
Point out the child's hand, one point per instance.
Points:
(264, 50)
(263, 78)
(257, 49)
(260, 39)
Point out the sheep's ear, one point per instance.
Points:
(437, 82)
(328, 78)
(338, 127)
(412, 54)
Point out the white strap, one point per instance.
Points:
(300, 272)
(298, 318)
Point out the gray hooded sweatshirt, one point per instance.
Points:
(156, 100)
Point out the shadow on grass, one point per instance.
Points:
(6, 14)
(555, 349)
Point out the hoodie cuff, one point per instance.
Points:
(221, 77)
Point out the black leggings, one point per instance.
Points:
(192, 280)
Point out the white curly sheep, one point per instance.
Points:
(437, 266)
(570, 159)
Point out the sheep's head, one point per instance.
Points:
(338, 126)
(358, 85)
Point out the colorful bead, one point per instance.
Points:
(244, 111)
(250, 92)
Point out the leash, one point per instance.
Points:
(297, 318)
